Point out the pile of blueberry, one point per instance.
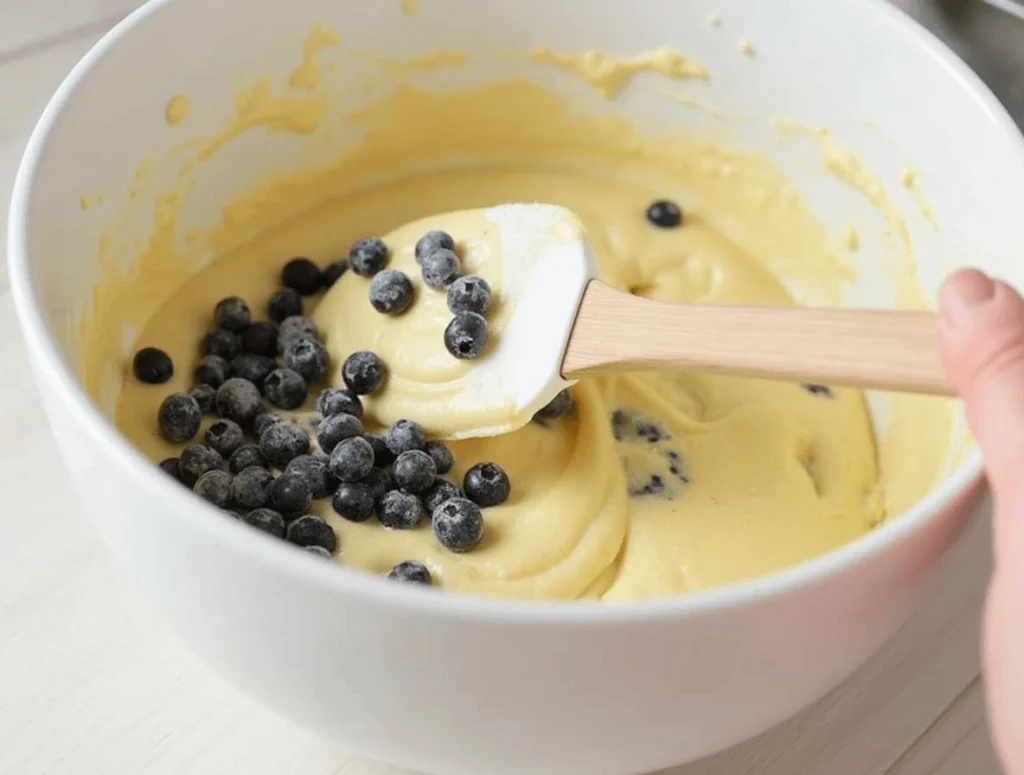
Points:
(267, 471)
(468, 296)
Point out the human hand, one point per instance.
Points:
(981, 340)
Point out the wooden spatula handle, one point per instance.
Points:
(884, 349)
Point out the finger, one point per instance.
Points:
(981, 341)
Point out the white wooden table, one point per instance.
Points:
(91, 681)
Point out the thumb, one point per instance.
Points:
(981, 342)
(981, 339)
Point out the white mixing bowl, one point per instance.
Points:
(442, 682)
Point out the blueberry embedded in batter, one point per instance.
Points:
(205, 396)
(179, 417)
(221, 342)
(469, 294)
(390, 292)
(818, 390)
(285, 389)
(302, 275)
(212, 370)
(466, 335)
(232, 314)
(654, 485)
(665, 214)
(311, 530)
(411, 572)
(653, 468)
(253, 368)
(368, 256)
(333, 271)
(285, 303)
(441, 268)
(431, 241)
(153, 366)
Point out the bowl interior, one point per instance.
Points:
(926, 177)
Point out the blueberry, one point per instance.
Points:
(486, 484)
(250, 489)
(267, 520)
(622, 424)
(379, 481)
(818, 390)
(363, 372)
(414, 471)
(440, 268)
(466, 336)
(291, 494)
(284, 304)
(440, 491)
(232, 314)
(171, 467)
(206, 397)
(307, 357)
(397, 510)
(390, 292)
(213, 486)
(353, 501)
(651, 432)
(469, 294)
(221, 342)
(665, 214)
(334, 271)
(285, 389)
(404, 435)
(312, 531)
(442, 456)
(244, 457)
(382, 456)
(458, 524)
(318, 551)
(410, 572)
(196, 460)
(260, 339)
(213, 371)
(225, 436)
(333, 401)
(557, 407)
(294, 329)
(179, 417)
(302, 275)
(315, 469)
(152, 366)
(282, 442)
(238, 400)
(334, 429)
(254, 368)
(368, 256)
(653, 486)
(431, 241)
(676, 466)
(351, 459)
(264, 421)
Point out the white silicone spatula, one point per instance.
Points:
(567, 323)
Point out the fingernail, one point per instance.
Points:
(962, 294)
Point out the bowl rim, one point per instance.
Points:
(453, 605)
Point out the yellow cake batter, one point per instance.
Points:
(659, 483)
